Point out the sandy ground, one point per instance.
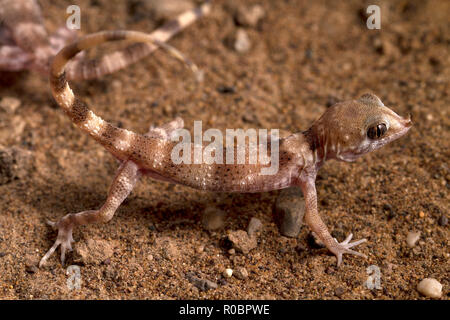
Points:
(304, 56)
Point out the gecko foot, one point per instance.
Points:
(344, 247)
(64, 227)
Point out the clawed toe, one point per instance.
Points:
(64, 239)
(344, 247)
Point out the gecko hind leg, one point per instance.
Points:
(126, 178)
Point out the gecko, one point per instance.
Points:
(26, 44)
(345, 132)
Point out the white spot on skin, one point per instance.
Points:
(94, 123)
(124, 142)
(65, 98)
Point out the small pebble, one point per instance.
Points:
(228, 273)
(241, 273)
(10, 104)
(289, 211)
(31, 268)
(249, 117)
(201, 284)
(200, 249)
(167, 9)
(94, 251)
(254, 226)
(213, 218)
(231, 251)
(249, 17)
(339, 291)
(242, 241)
(430, 287)
(412, 238)
(443, 220)
(242, 42)
(421, 214)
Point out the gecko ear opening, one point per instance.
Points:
(371, 99)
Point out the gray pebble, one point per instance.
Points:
(289, 211)
(31, 268)
(254, 226)
(201, 284)
(443, 220)
(339, 291)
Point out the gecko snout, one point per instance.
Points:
(406, 123)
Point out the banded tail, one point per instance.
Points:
(95, 68)
(120, 142)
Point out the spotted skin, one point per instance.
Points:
(341, 133)
(26, 45)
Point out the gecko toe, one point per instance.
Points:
(355, 243)
(347, 240)
(344, 247)
(64, 239)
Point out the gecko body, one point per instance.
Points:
(344, 132)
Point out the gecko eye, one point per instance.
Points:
(376, 132)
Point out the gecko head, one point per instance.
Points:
(354, 128)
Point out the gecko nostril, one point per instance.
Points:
(408, 121)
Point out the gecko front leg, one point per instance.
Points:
(314, 221)
(126, 178)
